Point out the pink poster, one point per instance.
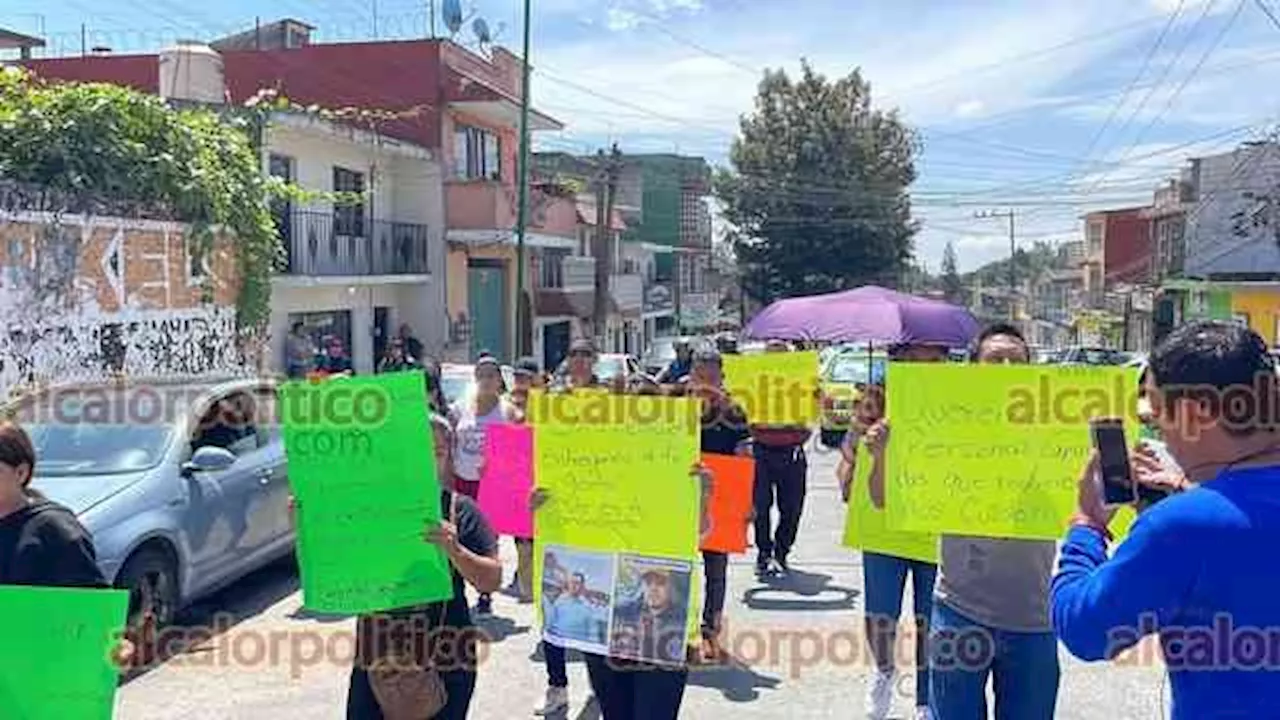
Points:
(507, 481)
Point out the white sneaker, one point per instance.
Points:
(880, 695)
(557, 700)
(924, 713)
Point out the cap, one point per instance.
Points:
(486, 361)
(660, 572)
(527, 366)
(582, 345)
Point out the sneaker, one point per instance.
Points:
(880, 695)
(762, 566)
(556, 701)
(484, 606)
(924, 713)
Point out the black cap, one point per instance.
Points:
(527, 366)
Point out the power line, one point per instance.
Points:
(1266, 10)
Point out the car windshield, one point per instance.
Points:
(69, 449)
(854, 370)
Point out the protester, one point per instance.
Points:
(678, 369)
(395, 359)
(299, 350)
(634, 690)
(527, 377)
(442, 634)
(579, 375)
(781, 475)
(470, 415)
(412, 345)
(41, 542)
(334, 361)
(1190, 568)
(724, 432)
(1152, 464)
(884, 577)
(994, 588)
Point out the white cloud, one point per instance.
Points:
(970, 108)
(618, 19)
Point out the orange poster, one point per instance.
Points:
(731, 497)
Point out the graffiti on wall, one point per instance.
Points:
(88, 298)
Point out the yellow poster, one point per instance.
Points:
(996, 450)
(866, 528)
(622, 514)
(775, 388)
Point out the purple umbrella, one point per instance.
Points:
(865, 315)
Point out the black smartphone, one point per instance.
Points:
(1118, 486)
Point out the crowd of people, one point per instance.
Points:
(1190, 561)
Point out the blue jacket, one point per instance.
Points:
(1199, 569)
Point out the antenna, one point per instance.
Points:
(481, 29)
(452, 12)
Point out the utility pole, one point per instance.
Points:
(602, 240)
(1013, 257)
(524, 313)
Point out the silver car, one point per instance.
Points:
(184, 488)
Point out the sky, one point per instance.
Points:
(1049, 108)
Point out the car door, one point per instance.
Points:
(269, 515)
(223, 502)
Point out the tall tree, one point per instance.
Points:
(952, 285)
(817, 196)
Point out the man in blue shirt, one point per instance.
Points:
(573, 617)
(1196, 567)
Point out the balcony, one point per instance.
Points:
(327, 244)
(568, 273)
(628, 292)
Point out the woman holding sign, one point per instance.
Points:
(884, 577)
(444, 638)
(41, 542)
(470, 416)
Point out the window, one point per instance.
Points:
(1095, 237)
(348, 220)
(477, 154)
(551, 272)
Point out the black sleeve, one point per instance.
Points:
(64, 555)
(741, 429)
(474, 531)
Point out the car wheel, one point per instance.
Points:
(151, 578)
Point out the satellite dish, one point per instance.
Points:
(452, 10)
(481, 29)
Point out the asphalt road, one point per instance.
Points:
(798, 642)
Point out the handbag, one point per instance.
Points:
(405, 688)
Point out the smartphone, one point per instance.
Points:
(1118, 487)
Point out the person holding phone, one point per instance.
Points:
(998, 589)
(1194, 567)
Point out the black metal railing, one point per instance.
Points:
(326, 244)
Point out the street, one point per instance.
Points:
(799, 642)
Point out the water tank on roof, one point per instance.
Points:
(191, 70)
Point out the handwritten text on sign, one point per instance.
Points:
(994, 450)
(56, 652)
(362, 508)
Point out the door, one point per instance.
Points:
(228, 527)
(555, 344)
(281, 166)
(381, 317)
(487, 305)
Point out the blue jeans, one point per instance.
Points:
(964, 653)
(884, 580)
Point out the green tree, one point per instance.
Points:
(816, 199)
(952, 285)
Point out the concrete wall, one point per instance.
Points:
(1212, 244)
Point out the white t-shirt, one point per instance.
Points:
(468, 430)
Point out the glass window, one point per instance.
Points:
(348, 220)
(83, 448)
(477, 154)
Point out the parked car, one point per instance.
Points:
(661, 352)
(1091, 356)
(840, 383)
(456, 381)
(1045, 356)
(183, 497)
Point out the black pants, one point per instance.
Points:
(362, 705)
(557, 669)
(636, 691)
(780, 475)
(714, 567)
